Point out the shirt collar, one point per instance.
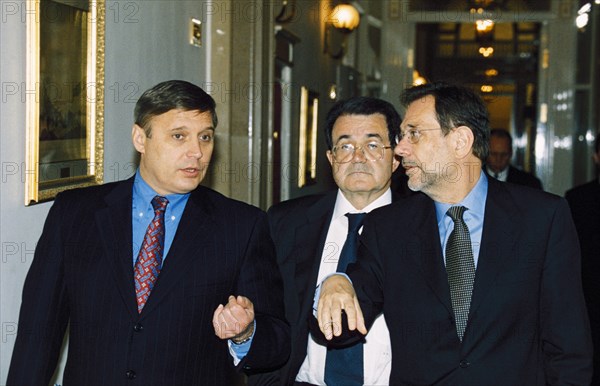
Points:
(502, 174)
(343, 206)
(143, 195)
(474, 201)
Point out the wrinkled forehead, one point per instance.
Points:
(420, 113)
(360, 127)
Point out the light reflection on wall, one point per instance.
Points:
(563, 143)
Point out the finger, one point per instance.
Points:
(324, 317)
(245, 302)
(216, 320)
(350, 310)
(360, 319)
(241, 315)
(336, 317)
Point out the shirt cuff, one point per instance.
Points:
(318, 290)
(239, 351)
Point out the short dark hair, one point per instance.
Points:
(500, 133)
(456, 106)
(362, 105)
(170, 95)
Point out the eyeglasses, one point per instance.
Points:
(373, 151)
(412, 135)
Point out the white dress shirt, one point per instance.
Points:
(377, 349)
(502, 175)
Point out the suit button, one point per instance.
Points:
(464, 364)
(130, 374)
(138, 327)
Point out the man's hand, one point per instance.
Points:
(337, 294)
(235, 320)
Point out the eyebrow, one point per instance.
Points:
(369, 135)
(185, 128)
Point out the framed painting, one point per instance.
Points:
(65, 96)
(307, 145)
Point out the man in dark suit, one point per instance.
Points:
(309, 233)
(142, 271)
(584, 201)
(479, 281)
(498, 162)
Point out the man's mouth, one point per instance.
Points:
(190, 171)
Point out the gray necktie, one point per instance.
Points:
(460, 267)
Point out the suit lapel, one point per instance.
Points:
(184, 249)
(431, 257)
(310, 237)
(497, 241)
(114, 225)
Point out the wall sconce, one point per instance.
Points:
(418, 80)
(283, 16)
(345, 19)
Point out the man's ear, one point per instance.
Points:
(138, 137)
(395, 161)
(463, 141)
(330, 157)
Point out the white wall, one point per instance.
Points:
(146, 42)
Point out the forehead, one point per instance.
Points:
(356, 126)
(420, 113)
(499, 142)
(178, 118)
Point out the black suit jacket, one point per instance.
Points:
(82, 275)
(584, 201)
(527, 321)
(299, 228)
(520, 177)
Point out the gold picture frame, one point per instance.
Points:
(65, 96)
(307, 146)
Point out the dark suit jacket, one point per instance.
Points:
(584, 201)
(82, 275)
(527, 321)
(299, 228)
(519, 177)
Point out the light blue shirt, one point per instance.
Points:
(141, 215)
(473, 216)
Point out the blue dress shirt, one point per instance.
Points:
(475, 203)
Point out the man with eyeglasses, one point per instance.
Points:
(312, 236)
(479, 281)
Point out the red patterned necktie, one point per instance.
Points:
(149, 261)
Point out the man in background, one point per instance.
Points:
(584, 201)
(160, 281)
(498, 161)
(316, 236)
